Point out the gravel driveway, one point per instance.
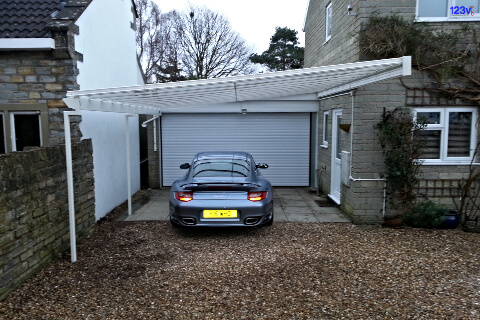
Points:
(148, 270)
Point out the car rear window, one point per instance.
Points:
(221, 168)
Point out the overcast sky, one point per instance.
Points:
(254, 20)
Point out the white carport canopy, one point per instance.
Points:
(153, 99)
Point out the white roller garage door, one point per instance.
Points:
(282, 140)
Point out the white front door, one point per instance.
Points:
(336, 156)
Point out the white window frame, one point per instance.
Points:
(449, 16)
(12, 126)
(326, 115)
(328, 21)
(443, 128)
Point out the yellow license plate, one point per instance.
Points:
(219, 214)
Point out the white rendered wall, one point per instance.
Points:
(107, 43)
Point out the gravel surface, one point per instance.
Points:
(148, 270)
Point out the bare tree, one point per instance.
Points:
(149, 44)
(195, 44)
(211, 49)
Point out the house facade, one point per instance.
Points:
(48, 48)
(350, 161)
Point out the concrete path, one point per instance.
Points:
(290, 204)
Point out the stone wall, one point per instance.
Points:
(343, 45)
(34, 218)
(363, 198)
(40, 77)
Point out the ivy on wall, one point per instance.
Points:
(452, 58)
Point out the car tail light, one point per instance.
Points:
(184, 196)
(257, 196)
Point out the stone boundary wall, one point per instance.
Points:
(34, 219)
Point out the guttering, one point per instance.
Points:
(27, 44)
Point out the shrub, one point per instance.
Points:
(426, 214)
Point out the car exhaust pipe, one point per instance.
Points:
(250, 221)
(189, 221)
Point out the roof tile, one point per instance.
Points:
(33, 18)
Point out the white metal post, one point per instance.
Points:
(129, 177)
(71, 197)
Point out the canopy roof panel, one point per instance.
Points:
(157, 98)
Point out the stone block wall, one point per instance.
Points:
(39, 77)
(363, 199)
(343, 45)
(34, 217)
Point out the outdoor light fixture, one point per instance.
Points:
(244, 111)
(349, 11)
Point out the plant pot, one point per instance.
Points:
(451, 221)
(393, 222)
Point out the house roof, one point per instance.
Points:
(154, 99)
(36, 18)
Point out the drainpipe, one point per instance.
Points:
(155, 144)
(144, 124)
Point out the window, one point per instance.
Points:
(325, 130)
(450, 134)
(23, 125)
(448, 10)
(25, 130)
(3, 147)
(328, 22)
(221, 168)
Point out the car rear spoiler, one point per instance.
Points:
(230, 186)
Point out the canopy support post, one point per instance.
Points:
(129, 174)
(71, 195)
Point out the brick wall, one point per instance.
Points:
(34, 218)
(39, 77)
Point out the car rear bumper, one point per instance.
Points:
(249, 213)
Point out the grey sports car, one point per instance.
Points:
(222, 189)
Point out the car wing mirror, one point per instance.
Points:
(185, 166)
(262, 165)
